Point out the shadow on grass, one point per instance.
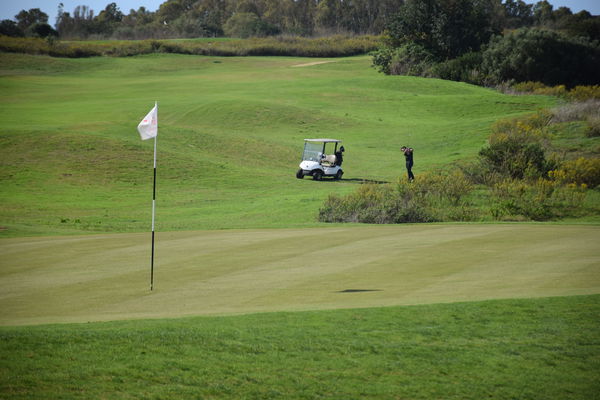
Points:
(359, 181)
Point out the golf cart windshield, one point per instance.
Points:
(315, 148)
(312, 151)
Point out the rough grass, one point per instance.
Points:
(538, 348)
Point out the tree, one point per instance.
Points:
(10, 28)
(544, 56)
(301, 16)
(111, 14)
(518, 13)
(582, 24)
(446, 28)
(212, 14)
(326, 15)
(27, 18)
(170, 10)
(542, 13)
(242, 25)
(41, 30)
(108, 20)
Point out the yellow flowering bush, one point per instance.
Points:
(583, 171)
(539, 200)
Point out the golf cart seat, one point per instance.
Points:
(328, 160)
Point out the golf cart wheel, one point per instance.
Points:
(318, 175)
(338, 175)
(300, 174)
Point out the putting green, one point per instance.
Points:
(106, 277)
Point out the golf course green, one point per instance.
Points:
(253, 296)
(106, 277)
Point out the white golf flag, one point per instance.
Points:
(148, 128)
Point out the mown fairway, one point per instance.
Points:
(231, 135)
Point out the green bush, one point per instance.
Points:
(540, 200)
(427, 199)
(465, 68)
(411, 59)
(515, 159)
(382, 59)
(408, 59)
(516, 148)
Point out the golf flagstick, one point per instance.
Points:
(153, 212)
(148, 129)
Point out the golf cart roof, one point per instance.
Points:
(323, 140)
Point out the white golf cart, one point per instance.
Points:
(317, 163)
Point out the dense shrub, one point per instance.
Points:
(583, 93)
(541, 89)
(540, 55)
(465, 68)
(410, 59)
(515, 159)
(582, 171)
(516, 148)
(579, 93)
(539, 200)
(429, 198)
(382, 59)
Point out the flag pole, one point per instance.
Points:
(153, 209)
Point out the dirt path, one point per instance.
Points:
(313, 63)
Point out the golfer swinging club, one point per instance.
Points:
(408, 154)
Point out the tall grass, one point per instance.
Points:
(333, 46)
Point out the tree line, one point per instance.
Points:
(217, 18)
(245, 18)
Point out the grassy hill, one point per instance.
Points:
(231, 135)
